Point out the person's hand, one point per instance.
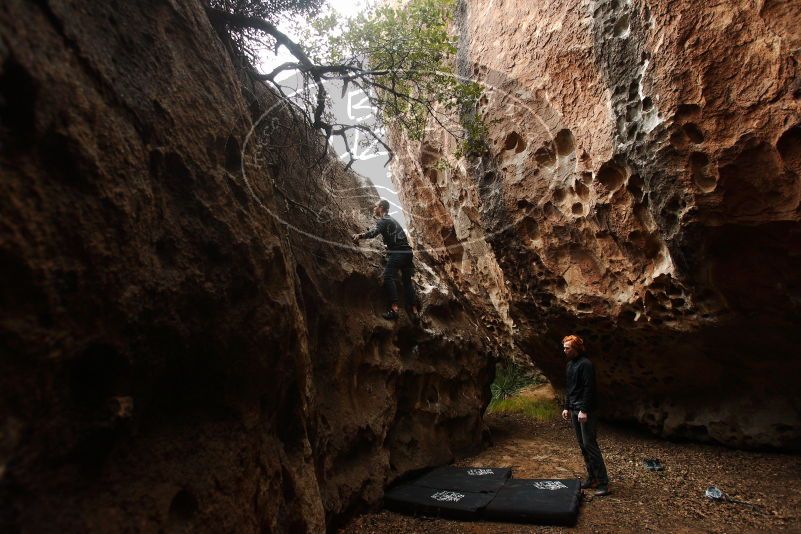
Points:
(582, 417)
(565, 414)
(356, 238)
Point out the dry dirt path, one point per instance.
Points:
(642, 501)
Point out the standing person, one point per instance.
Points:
(399, 256)
(581, 406)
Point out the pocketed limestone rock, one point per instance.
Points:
(640, 187)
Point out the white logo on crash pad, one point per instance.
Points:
(479, 472)
(548, 485)
(447, 496)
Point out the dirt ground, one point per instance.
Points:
(641, 501)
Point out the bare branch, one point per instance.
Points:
(243, 21)
(403, 95)
(342, 129)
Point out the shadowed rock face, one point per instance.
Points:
(642, 188)
(184, 344)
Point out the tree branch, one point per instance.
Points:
(243, 21)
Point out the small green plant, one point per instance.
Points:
(509, 379)
(538, 409)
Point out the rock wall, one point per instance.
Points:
(185, 343)
(641, 187)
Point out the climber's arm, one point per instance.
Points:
(372, 232)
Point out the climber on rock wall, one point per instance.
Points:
(580, 406)
(399, 256)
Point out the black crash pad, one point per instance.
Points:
(465, 479)
(414, 499)
(544, 501)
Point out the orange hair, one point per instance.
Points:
(574, 340)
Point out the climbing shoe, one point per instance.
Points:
(588, 483)
(602, 490)
(390, 315)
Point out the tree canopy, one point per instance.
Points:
(247, 40)
(402, 57)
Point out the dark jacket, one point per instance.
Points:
(391, 231)
(580, 392)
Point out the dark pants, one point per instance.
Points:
(399, 260)
(587, 434)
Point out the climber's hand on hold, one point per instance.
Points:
(356, 238)
(565, 414)
(582, 417)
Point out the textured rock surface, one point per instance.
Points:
(642, 187)
(175, 352)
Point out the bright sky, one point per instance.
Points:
(371, 161)
(349, 8)
(344, 8)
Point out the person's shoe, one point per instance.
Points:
(588, 483)
(390, 315)
(603, 489)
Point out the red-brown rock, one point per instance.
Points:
(175, 352)
(641, 187)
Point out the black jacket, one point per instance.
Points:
(580, 392)
(391, 231)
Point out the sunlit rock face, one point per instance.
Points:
(185, 342)
(642, 188)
